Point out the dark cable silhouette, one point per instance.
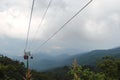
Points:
(27, 39)
(43, 17)
(64, 25)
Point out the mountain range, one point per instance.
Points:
(42, 61)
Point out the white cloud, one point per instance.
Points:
(95, 30)
(96, 27)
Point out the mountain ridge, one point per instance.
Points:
(43, 61)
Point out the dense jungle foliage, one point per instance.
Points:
(108, 68)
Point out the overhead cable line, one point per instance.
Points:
(29, 25)
(43, 17)
(64, 25)
(27, 53)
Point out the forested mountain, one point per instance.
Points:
(108, 68)
(11, 70)
(105, 68)
(42, 62)
(90, 58)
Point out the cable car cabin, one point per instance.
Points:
(25, 57)
(31, 57)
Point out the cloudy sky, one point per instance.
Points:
(97, 27)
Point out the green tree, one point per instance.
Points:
(110, 67)
(79, 73)
(75, 70)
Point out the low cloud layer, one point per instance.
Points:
(97, 27)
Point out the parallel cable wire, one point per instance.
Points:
(27, 39)
(43, 17)
(64, 25)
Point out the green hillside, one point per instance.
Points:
(90, 58)
(11, 70)
(92, 62)
(108, 68)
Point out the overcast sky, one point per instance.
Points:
(97, 27)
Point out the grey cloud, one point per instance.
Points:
(100, 17)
